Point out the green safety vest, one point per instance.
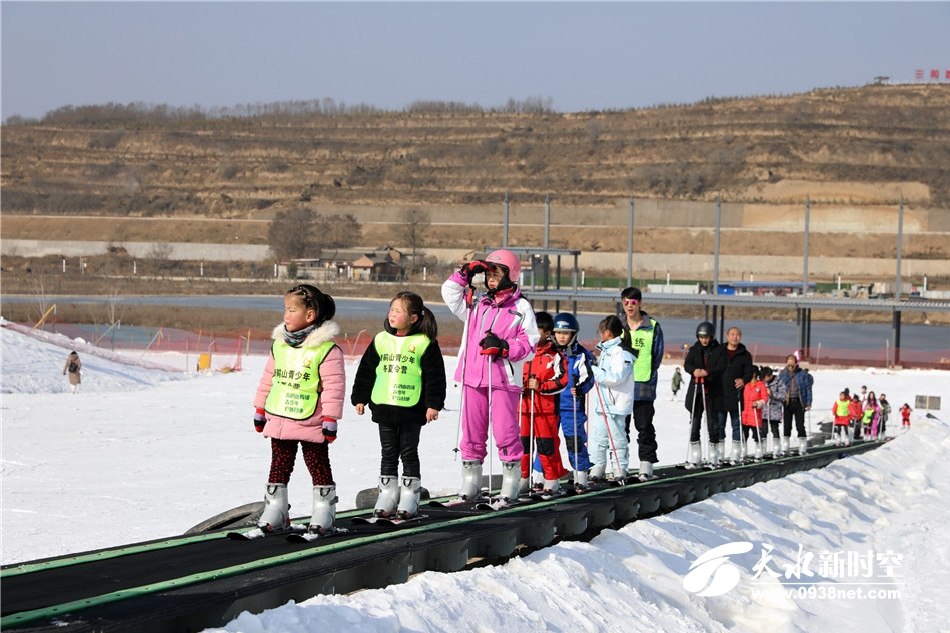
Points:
(842, 408)
(295, 388)
(641, 341)
(399, 372)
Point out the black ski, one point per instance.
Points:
(389, 521)
(309, 537)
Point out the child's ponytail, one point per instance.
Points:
(425, 323)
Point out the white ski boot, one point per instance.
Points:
(471, 480)
(758, 451)
(409, 497)
(646, 471)
(510, 481)
(552, 488)
(276, 515)
(714, 454)
(737, 453)
(388, 496)
(695, 458)
(786, 440)
(802, 446)
(580, 480)
(597, 472)
(324, 508)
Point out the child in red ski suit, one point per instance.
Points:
(905, 416)
(841, 409)
(544, 376)
(755, 395)
(856, 412)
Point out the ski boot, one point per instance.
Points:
(388, 496)
(646, 471)
(695, 457)
(409, 498)
(324, 509)
(597, 472)
(276, 515)
(510, 481)
(714, 454)
(471, 480)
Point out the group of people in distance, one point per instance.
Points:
(725, 384)
(863, 414)
(524, 377)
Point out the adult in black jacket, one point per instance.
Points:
(738, 372)
(705, 362)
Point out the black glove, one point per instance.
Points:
(259, 420)
(472, 268)
(493, 346)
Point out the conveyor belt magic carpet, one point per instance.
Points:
(193, 582)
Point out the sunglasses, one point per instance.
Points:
(630, 302)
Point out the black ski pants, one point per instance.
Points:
(399, 440)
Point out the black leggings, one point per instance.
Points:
(399, 440)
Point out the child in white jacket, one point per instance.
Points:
(613, 376)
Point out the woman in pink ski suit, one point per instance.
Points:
(500, 334)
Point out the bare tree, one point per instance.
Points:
(415, 224)
(291, 234)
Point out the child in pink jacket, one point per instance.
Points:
(299, 400)
(500, 334)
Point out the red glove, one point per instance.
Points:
(329, 430)
(472, 268)
(259, 420)
(493, 346)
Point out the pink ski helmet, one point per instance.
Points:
(509, 261)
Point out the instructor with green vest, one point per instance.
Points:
(643, 337)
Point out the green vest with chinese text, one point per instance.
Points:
(295, 388)
(399, 372)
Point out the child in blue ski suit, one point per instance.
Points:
(573, 409)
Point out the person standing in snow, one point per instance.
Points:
(544, 377)
(401, 377)
(677, 382)
(298, 401)
(704, 364)
(613, 375)
(73, 368)
(643, 338)
(885, 413)
(798, 382)
(775, 410)
(500, 334)
(737, 373)
(573, 404)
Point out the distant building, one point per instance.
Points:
(381, 264)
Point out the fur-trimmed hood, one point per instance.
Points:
(324, 333)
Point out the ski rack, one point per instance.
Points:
(194, 582)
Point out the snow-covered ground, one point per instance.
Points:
(143, 453)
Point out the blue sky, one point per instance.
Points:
(581, 55)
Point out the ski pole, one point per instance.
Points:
(710, 428)
(458, 428)
(692, 416)
(491, 429)
(531, 433)
(610, 434)
(574, 399)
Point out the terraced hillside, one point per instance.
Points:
(859, 146)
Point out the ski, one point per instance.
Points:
(257, 533)
(309, 537)
(541, 496)
(457, 503)
(502, 504)
(388, 521)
